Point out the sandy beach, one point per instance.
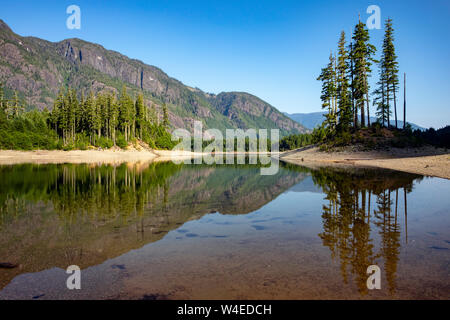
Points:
(427, 161)
(110, 156)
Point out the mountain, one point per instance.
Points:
(308, 120)
(313, 119)
(37, 69)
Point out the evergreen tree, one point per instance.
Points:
(91, 116)
(64, 122)
(352, 86)
(113, 116)
(16, 107)
(389, 66)
(99, 114)
(80, 115)
(55, 116)
(343, 94)
(328, 97)
(141, 114)
(2, 99)
(165, 116)
(379, 101)
(151, 114)
(74, 105)
(126, 113)
(362, 56)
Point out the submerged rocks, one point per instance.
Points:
(8, 265)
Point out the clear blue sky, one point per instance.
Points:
(272, 49)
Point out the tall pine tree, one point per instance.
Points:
(329, 90)
(2, 99)
(362, 56)
(382, 109)
(140, 114)
(166, 122)
(343, 94)
(389, 67)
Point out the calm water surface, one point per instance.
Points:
(166, 231)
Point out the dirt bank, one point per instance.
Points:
(426, 161)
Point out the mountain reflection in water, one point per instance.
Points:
(97, 215)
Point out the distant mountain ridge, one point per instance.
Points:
(37, 69)
(308, 120)
(313, 119)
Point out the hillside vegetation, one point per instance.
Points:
(37, 70)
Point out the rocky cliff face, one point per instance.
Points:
(37, 69)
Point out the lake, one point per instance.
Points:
(167, 231)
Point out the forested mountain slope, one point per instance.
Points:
(37, 69)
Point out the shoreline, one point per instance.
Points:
(427, 161)
(107, 156)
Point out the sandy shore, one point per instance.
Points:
(426, 161)
(110, 156)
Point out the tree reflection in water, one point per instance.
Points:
(58, 215)
(98, 193)
(348, 219)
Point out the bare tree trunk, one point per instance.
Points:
(355, 122)
(388, 108)
(368, 110)
(363, 120)
(395, 108)
(362, 97)
(383, 118)
(404, 101)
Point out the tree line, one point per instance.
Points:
(78, 121)
(345, 82)
(10, 107)
(23, 130)
(106, 116)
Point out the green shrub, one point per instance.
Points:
(81, 142)
(120, 141)
(68, 147)
(103, 143)
(26, 132)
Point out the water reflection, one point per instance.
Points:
(349, 220)
(58, 215)
(221, 217)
